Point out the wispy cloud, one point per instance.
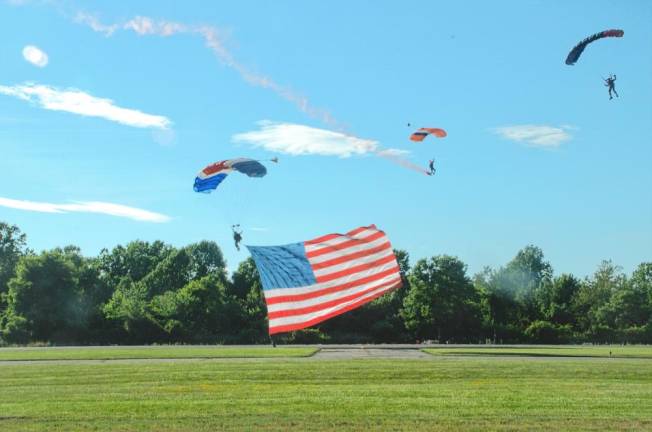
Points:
(536, 135)
(212, 36)
(296, 139)
(86, 207)
(35, 56)
(78, 102)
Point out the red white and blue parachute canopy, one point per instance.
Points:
(577, 51)
(422, 133)
(210, 177)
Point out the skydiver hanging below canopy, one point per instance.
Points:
(237, 235)
(431, 165)
(610, 82)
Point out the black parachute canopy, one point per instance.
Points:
(576, 52)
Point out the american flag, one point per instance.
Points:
(309, 282)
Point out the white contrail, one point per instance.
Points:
(394, 157)
(145, 26)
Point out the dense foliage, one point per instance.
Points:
(155, 293)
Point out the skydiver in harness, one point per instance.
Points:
(431, 165)
(609, 82)
(237, 236)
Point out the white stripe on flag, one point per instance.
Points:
(269, 294)
(354, 262)
(353, 249)
(296, 319)
(292, 305)
(335, 241)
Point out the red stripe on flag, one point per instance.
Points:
(331, 303)
(345, 258)
(344, 245)
(356, 269)
(298, 326)
(355, 283)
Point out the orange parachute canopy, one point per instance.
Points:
(422, 133)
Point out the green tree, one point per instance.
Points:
(509, 295)
(546, 332)
(246, 288)
(629, 309)
(595, 320)
(556, 299)
(641, 282)
(205, 259)
(94, 293)
(524, 276)
(135, 261)
(500, 310)
(134, 275)
(43, 302)
(442, 303)
(12, 247)
(127, 309)
(170, 274)
(153, 285)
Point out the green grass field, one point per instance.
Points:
(152, 352)
(613, 351)
(442, 393)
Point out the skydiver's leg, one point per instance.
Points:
(616, 92)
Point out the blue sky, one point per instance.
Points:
(536, 153)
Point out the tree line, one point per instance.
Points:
(152, 292)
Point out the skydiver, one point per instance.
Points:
(237, 236)
(610, 82)
(431, 165)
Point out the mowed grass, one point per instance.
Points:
(443, 393)
(150, 352)
(551, 351)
